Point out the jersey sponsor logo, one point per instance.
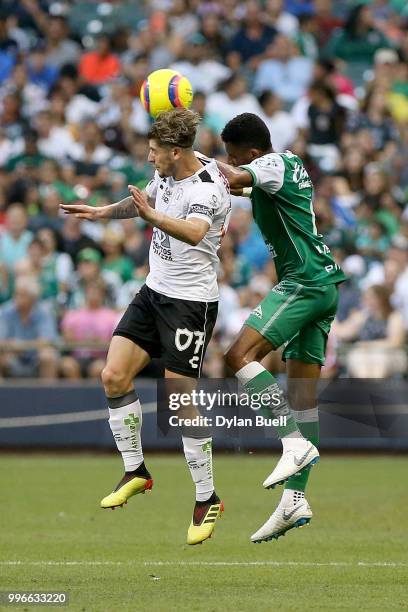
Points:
(323, 249)
(166, 195)
(301, 177)
(332, 268)
(266, 162)
(279, 288)
(133, 422)
(179, 194)
(201, 209)
(161, 244)
(183, 340)
(257, 312)
(270, 247)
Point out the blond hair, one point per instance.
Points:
(176, 127)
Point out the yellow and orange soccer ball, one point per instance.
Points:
(164, 90)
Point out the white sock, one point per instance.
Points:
(291, 497)
(198, 454)
(125, 420)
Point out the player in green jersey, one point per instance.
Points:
(296, 314)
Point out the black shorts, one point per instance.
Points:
(176, 330)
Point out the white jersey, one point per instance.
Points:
(177, 269)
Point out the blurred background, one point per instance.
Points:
(330, 80)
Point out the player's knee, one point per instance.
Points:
(115, 382)
(234, 359)
(237, 357)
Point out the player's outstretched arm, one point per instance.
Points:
(191, 231)
(238, 178)
(125, 209)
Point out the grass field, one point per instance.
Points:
(352, 557)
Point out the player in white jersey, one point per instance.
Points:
(173, 315)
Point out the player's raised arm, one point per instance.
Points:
(125, 209)
(238, 178)
(191, 231)
(225, 169)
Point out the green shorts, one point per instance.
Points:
(297, 317)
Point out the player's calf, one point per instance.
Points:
(208, 507)
(242, 358)
(125, 420)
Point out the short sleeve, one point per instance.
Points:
(267, 172)
(204, 204)
(152, 186)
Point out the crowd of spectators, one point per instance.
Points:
(329, 78)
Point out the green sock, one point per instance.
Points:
(257, 381)
(310, 430)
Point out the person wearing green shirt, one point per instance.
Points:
(296, 314)
(115, 260)
(358, 40)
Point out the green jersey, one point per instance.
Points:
(282, 207)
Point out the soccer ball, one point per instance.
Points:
(164, 90)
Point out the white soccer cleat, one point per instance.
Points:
(295, 457)
(283, 519)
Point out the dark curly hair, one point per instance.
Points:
(247, 130)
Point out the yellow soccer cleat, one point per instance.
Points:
(204, 518)
(129, 485)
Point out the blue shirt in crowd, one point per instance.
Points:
(41, 323)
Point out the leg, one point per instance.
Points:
(273, 362)
(249, 346)
(305, 356)
(185, 330)
(48, 363)
(197, 445)
(125, 360)
(279, 319)
(197, 441)
(70, 368)
(135, 341)
(303, 379)
(6, 361)
(244, 357)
